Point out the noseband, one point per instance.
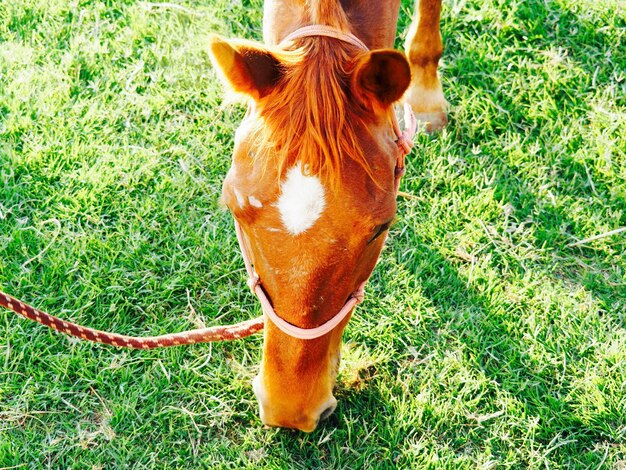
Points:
(405, 144)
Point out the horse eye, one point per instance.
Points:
(379, 230)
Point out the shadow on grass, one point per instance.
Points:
(538, 28)
(521, 363)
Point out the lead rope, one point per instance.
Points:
(202, 335)
(248, 327)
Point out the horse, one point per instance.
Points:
(312, 186)
(314, 174)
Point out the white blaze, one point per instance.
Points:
(301, 201)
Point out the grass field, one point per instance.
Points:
(491, 337)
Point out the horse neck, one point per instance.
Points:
(372, 22)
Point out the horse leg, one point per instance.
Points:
(423, 48)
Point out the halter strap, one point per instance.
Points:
(324, 30)
(405, 144)
(405, 140)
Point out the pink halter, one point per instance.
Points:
(405, 144)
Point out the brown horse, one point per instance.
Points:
(313, 172)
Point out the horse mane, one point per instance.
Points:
(312, 116)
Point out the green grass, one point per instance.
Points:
(486, 341)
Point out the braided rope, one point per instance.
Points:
(203, 335)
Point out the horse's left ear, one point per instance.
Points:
(383, 74)
(246, 66)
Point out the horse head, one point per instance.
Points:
(312, 186)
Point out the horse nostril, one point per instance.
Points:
(327, 412)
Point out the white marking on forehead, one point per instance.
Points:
(240, 199)
(254, 202)
(301, 201)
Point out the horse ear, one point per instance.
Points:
(247, 67)
(383, 74)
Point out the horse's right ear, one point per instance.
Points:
(247, 67)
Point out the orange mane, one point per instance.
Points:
(313, 115)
